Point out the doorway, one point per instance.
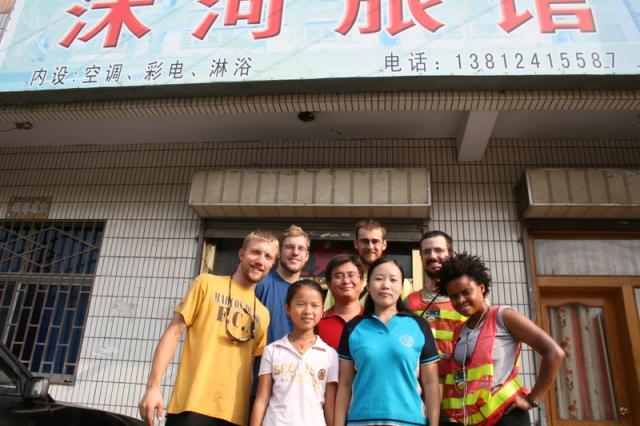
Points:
(586, 288)
(591, 388)
(328, 238)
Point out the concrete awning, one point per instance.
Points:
(312, 193)
(579, 194)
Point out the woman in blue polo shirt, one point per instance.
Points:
(390, 349)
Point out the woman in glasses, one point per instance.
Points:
(392, 351)
(482, 386)
(299, 372)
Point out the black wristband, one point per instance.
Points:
(531, 401)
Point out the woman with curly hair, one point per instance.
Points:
(482, 386)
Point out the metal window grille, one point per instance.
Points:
(47, 271)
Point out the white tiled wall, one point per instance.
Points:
(149, 252)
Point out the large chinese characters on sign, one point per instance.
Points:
(61, 44)
(511, 19)
(120, 14)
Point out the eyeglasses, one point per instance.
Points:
(252, 326)
(289, 247)
(366, 241)
(341, 275)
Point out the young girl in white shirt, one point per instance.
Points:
(299, 373)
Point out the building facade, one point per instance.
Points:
(104, 221)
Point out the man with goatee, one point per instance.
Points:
(435, 248)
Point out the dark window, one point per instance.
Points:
(226, 258)
(46, 277)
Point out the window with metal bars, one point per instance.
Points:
(47, 270)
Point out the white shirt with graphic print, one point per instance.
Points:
(299, 382)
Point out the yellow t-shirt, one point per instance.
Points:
(215, 372)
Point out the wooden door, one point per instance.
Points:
(592, 388)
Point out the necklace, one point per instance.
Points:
(299, 345)
(464, 364)
(479, 320)
(469, 334)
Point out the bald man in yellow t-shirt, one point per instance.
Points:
(227, 329)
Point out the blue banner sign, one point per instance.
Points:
(70, 44)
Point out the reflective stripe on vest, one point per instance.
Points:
(475, 419)
(495, 404)
(476, 404)
(472, 374)
(452, 315)
(442, 334)
(442, 325)
(470, 399)
(445, 322)
(491, 402)
(506, 393)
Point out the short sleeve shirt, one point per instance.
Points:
(330, 328)
(299, 382)
(272, 292)
(214, 373)
(387, 359)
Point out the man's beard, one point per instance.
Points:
(434, 275)
(289, 270)
(248, 275)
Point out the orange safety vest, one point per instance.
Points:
(477, 404)
(442, 319)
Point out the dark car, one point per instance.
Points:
(24, 400)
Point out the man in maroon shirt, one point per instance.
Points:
(344, 275)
